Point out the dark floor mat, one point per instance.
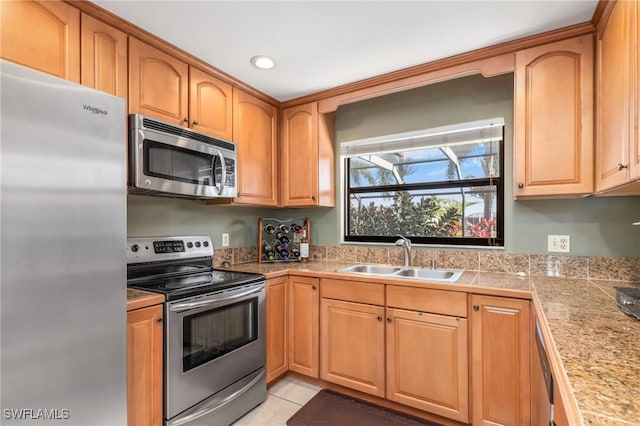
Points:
(329, 408)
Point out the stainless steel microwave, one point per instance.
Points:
(170, 160)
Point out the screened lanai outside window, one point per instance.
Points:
(436, 186)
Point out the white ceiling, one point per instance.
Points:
(318, 45)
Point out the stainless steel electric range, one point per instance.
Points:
(214, 329)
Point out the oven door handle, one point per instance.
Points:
(181, 307)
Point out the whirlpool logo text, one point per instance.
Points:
(94, 110)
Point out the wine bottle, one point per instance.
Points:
(304, 247)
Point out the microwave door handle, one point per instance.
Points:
(223, 165)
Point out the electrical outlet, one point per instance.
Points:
(225, 239)
(559, 243)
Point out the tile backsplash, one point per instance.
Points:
(593, 267)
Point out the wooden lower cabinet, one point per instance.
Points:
(500, 361)
(144, 366)
(352, 345)
(304, 325)
(277, 299)
(427, 362)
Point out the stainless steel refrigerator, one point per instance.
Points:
(62, 252)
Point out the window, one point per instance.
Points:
(436, 186)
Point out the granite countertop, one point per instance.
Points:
(596, 344)
(137, 299)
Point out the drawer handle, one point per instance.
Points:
(622, 166)
(476, 307)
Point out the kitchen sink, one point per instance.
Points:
(439, 275)
(372, 269)
(448, 275)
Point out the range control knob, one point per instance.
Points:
(206, 243)
(189, 244)
(135, 248)
(197, 243)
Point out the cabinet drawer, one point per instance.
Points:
(352, 291)
(427, 300)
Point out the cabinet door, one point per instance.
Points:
(352, 342)
(210, 105)
(277, 299)
(144, 366)
(304, 325)
(43, 35)
(427, 362)
(158, 84)
(634, 166)
(104, 57)
(299, 166)
(553, 119)
(614, 96)
(500, 361)
(254, 131)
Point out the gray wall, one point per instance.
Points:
(159, 216)
(597, 226)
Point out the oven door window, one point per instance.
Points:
(211, 334)
(180, 164)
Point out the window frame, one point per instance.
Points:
(499, 182)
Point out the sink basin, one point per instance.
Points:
(372, 269)
(439, 275)
(446, 275)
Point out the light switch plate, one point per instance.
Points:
(225, 239)
(559, 243)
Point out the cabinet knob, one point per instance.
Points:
(159, 320)
(313, 287)
(476, 307)
(379, 317)
(520, 185)
(186, 120)
(195, 122)
(622, 166)
(389, 320)
(313, 197)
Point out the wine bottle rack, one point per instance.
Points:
(279, 240)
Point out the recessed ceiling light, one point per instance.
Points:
(262, 62)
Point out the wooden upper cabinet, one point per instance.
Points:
(210, 105)
(617, 151)
(43, 35)
(104, 57)
(255, 133)
(158, 84)
(553, 121)
(634, 166)
(299, 148)
(307, 163)
(500, 361)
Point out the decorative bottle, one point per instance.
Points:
(304, 247)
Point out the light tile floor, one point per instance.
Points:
(283, 399)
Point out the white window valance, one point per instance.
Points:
(471, 132)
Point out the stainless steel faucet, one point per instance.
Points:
(406, 245)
